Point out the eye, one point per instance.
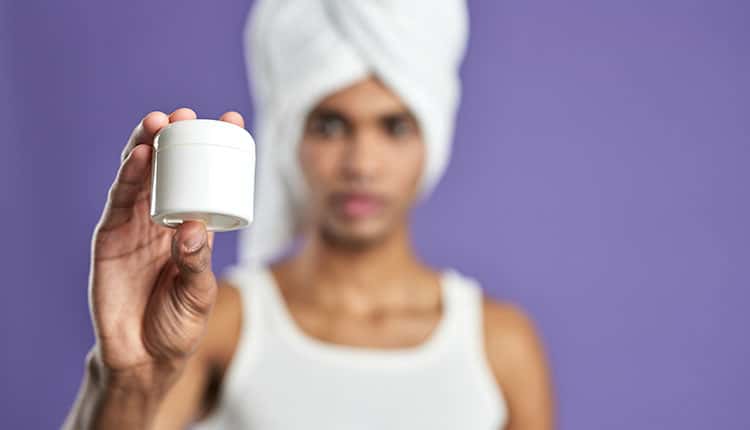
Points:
(398, 127)
(329, 126)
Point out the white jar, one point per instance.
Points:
(203, 170)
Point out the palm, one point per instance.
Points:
(127, 263)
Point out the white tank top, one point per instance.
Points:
(281, 378)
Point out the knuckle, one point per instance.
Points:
(131, 141)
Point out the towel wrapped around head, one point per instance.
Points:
(300, 51)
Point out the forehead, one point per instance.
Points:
(368, 98)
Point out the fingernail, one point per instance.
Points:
(193, 244)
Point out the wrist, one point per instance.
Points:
(120, 399)
(149, 381)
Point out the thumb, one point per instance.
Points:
(191, 252)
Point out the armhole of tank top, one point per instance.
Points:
(479, 356)
(247, 281)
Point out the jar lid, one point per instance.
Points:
(204, 132)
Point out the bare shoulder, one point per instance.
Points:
(516, 354)
(220, 342)
(509, 331)
(223, 327)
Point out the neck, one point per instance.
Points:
(373, 264)
(374, 276)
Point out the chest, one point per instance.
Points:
(375, 330)
(302, 394)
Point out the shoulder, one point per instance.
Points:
(506, 320)
(223, 327)
(511, 339)
(518, 361)
(512, 342)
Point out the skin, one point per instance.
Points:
(167, 330)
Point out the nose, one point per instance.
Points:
(362, 157)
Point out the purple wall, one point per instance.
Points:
(599, 179)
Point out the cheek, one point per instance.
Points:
(318, 163)
(407, 163)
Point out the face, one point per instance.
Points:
(362, 156)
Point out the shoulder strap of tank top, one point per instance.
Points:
(465, 296)
(469, 298)
(472, 303)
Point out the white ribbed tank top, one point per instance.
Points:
(281, 378)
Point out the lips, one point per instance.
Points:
(357, 205)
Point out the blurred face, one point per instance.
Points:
(362, 156)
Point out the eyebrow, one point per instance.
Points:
(401, 114)
(326, 112)
(335, 113)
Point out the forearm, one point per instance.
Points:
(107, 402)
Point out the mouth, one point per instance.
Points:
(357, 205)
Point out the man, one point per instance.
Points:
(350, 330)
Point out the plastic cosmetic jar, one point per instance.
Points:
(203, 170)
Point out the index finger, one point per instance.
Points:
(233, 117)
(145, 131)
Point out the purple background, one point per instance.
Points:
(599, 179)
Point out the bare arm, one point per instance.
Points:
(520, 367)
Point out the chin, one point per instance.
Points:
(353, 235)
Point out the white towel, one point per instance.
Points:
(300, 51)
